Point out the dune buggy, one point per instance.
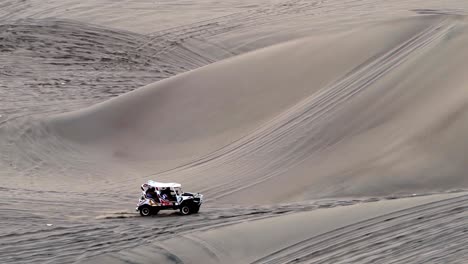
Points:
(158, 196)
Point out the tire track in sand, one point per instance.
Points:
(431, 233)
(74, 237)
(426, 232)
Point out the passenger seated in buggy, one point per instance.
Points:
(166, 194)
(151, 193)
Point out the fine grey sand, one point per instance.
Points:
(318, 131)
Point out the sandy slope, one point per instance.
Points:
(140, 16)
(413, 230)
(340, 99)
(284, 120)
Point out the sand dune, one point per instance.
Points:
(298, 113)
(318, 131)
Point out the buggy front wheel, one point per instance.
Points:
(186, 209)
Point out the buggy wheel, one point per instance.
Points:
(145, 211)
(185, 209)
(196, 209)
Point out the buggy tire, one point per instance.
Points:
(145, 210)
(196, 209)
(186, 209)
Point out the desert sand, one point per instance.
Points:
(318, 131)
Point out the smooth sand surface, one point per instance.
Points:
(292, 108)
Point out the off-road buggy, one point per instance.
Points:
(158, 196)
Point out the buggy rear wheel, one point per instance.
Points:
(145, 211)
